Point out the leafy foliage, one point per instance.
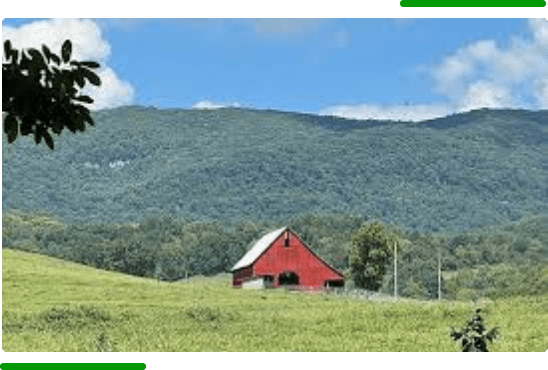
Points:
(496, 281)
(41, 92)
(474, 336)
(369, 255)
(169, 248)
(231, 165)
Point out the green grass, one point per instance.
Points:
(54, 305)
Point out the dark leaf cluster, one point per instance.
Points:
(369, 255)
(41, 92)
(474, 337)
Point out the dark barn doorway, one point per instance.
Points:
(268, 281)
(334, 284)
(288, 278)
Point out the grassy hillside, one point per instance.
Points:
(53, 305)
(459, 172)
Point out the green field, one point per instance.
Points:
(54, 305)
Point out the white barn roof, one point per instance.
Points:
(258, 248)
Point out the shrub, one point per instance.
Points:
(474, 336)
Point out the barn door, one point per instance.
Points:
(288, 278)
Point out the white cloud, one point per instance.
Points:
(386, 112)
(541, 90)
(539, 28)
(208, 104)
(484, 94)
(113, 91)
(87, 44)
(481, 74)
(485, 73)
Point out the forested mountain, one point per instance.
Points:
(231, 165)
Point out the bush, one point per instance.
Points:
(474, 336)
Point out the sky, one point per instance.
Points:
(399, 69)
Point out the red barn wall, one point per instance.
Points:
(242, 275)
(297, 258)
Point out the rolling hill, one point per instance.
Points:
(53, 305)
(459, 172)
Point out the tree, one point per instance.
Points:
(369, 254)
(41, 92)
(474, 336)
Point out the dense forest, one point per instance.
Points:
(505, 260)
(485, 167)
(177, 193)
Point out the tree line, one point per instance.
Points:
(510, 259)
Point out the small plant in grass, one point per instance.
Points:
(103, 343)
(474, 336)
(203, 313)
(67, 318)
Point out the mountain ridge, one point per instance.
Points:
(231, 164)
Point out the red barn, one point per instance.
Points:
(281, 258)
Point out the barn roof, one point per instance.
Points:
(258, 248)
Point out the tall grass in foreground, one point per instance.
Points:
(53, 305)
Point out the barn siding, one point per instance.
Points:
(242, 275)
(297, 258)
(269, 257)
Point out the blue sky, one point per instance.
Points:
(362, 68)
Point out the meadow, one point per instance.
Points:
(51, 304)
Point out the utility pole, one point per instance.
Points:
(439, 275)
(395, 271)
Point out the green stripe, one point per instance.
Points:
(73, 366)
(472, 3)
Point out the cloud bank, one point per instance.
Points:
(387, 112)
(208, 104)
(87, 44)
(479, 75)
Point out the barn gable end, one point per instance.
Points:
(281, 258)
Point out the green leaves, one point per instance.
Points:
(369, 254)
(90, 76)
(79, 78)
(66, 51)
(11, 128)
(84, 98)
(90, 64)
(36, 55)
(55, 59)
(474, 336)
(7, 48)
(42, 132)
(39, 96)
(46, 52)
(57, 126)
(48, 139)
